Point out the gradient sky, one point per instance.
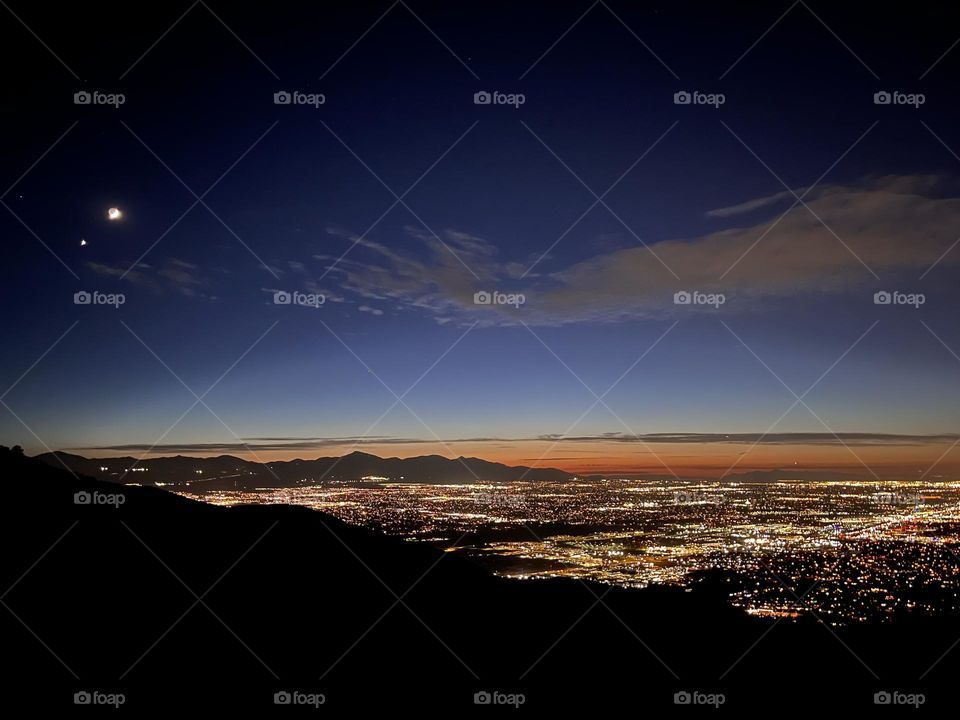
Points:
(298, 210)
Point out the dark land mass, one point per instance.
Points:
(182, 605)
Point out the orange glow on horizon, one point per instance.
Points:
(612, 457)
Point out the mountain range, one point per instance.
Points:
(230, 472)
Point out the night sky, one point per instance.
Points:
(399, 198)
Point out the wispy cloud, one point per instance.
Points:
(891, 224)
(173, 274)
(847, 439)
(752, 205)
(268, 444)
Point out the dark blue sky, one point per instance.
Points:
(504, 185)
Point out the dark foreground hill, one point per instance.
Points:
(180, 605)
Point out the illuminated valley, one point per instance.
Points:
(843, 551)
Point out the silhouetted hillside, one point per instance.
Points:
(227, 471)
(291, 599)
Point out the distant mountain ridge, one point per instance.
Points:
(230, 472)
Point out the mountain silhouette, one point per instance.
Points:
(229, 472)
(180, 604)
